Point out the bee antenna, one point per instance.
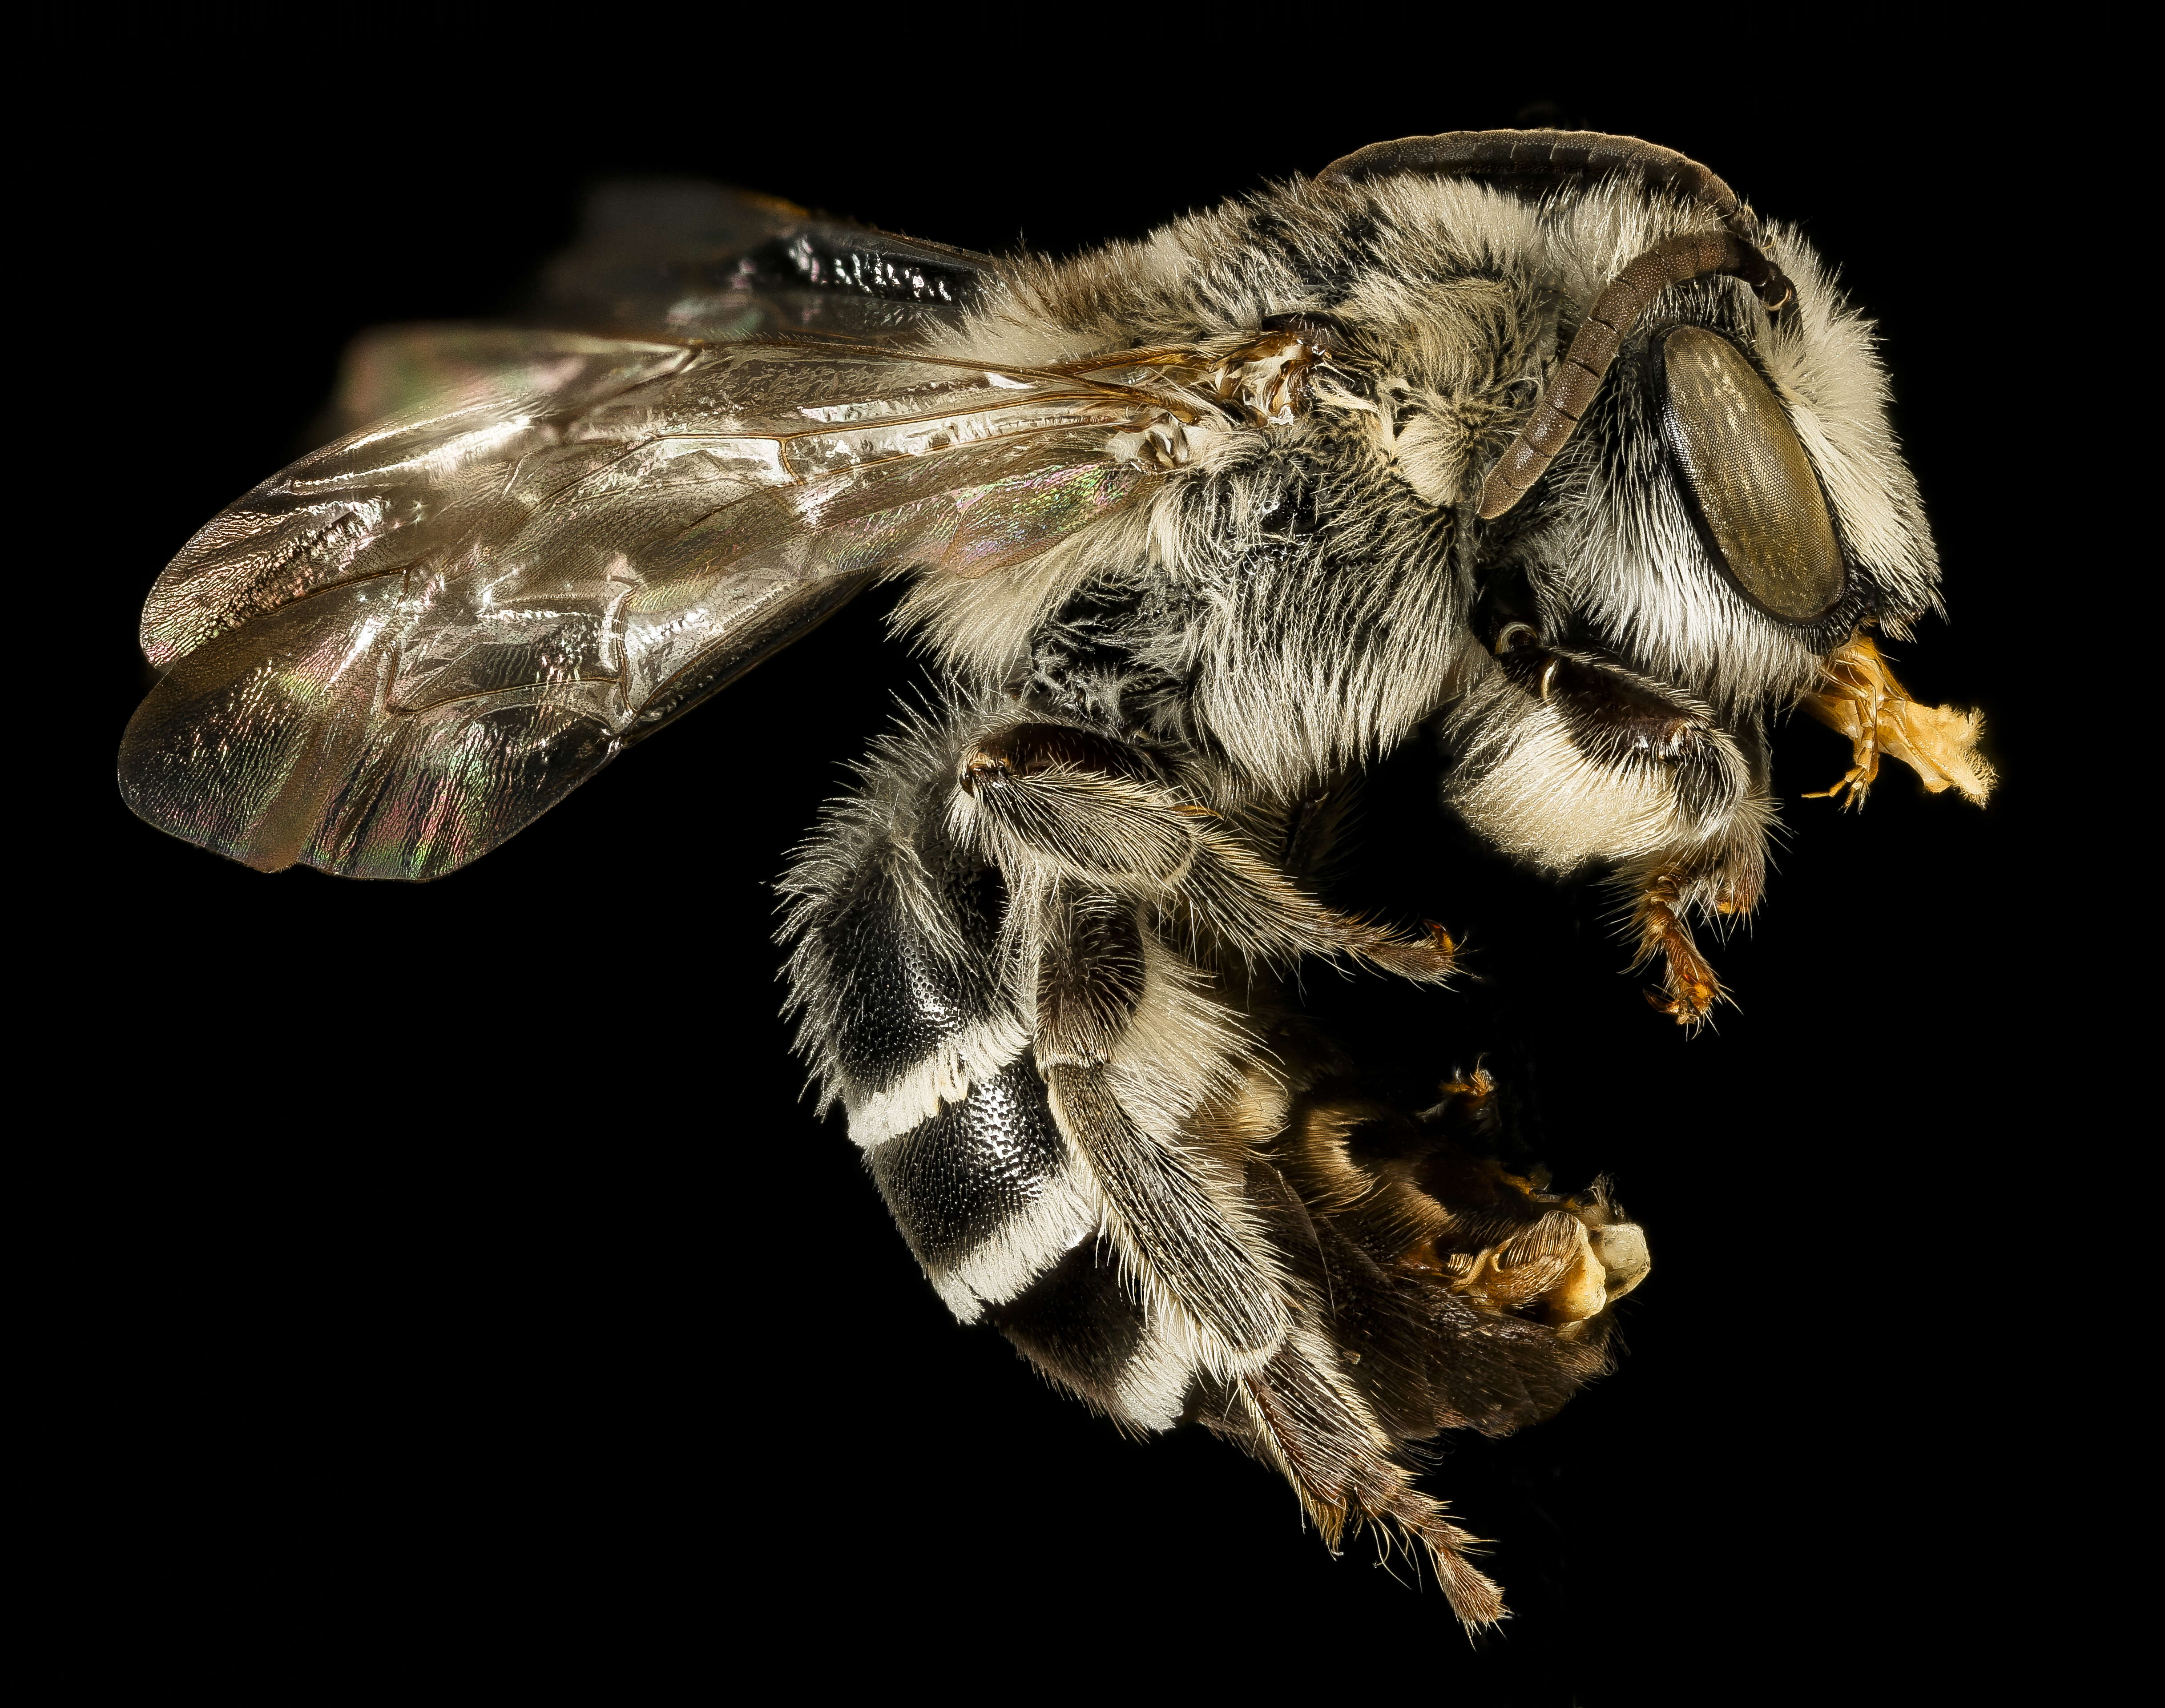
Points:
(1548, 156)
(1545, 156)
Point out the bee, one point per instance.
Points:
(1535, 447)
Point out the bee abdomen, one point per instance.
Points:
(1082, 1324)
(986, 1193)
(983, 1190)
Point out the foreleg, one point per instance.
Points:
(1570, 759)
(1723, 880)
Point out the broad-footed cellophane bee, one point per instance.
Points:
(1532, 445)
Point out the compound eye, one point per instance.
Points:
(1758, 503)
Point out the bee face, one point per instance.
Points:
(1733, 506)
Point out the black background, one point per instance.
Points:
(467, 1292)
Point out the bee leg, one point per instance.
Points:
(1721, 878)
(1066, 803)
(1689, 988)
(1174, 1212)
(1131, 1054)
(1301, 1414)
(1660, 787)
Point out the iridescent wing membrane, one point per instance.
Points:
(408, 645)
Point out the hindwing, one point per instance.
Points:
(673, 260)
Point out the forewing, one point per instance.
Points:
(405, 647)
